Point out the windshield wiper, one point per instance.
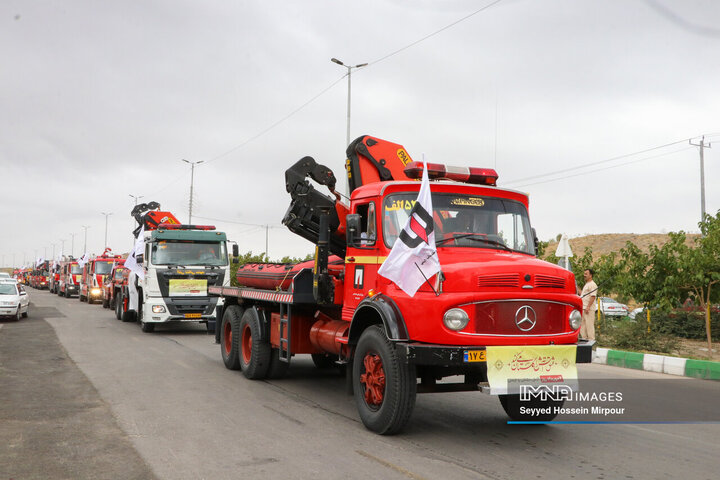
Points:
(478, 238)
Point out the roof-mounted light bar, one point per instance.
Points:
(479, 176)
(173, 226)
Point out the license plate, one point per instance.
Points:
(193, 315)
(474, 356)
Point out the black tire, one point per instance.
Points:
(278, 368)
(18, 315)
(129, 316)
(512, 403)
(105, 303)
(118, 307)
(254, 352)
(25, 313)
(230, 337)
(385, 397)
(324, 360)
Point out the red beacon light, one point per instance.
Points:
(479, 176)
(174, 226)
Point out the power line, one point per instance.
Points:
(434, 33)
(323, 91)
(275, 225)
(605, 168)
(599, 162)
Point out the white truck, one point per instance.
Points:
(171, 268)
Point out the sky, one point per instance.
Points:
(589, 106)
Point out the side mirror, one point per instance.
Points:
(140, 259)
(535, 240)
(353, 223)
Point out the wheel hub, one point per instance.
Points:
(373, 379)
(228, 338)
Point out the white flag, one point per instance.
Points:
(39, 262)
(138, 249)
(413, 258)
(83, 260)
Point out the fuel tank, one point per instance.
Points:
(279, 276)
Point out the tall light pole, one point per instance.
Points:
(349, 96)
(72, 245)
(85, 244)
(136, 197)
(192, 182)
(62, 246)
(349, 76)
(106, 222)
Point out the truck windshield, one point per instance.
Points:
(76, 270)
(465, 221)
(179, 252)
(103, 268)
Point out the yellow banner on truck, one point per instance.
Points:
(509, 366)
(185, 287)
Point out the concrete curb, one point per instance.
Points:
(686, 367)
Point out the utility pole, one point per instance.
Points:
(85, 244)
(192, 181)
(72, 245)
(136, 197)
(702, 147)
(267, 227)
(62, 246)
(53, 245)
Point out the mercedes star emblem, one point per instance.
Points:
(525, 318)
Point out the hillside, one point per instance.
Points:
(605, 243)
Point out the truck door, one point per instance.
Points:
(361, 263)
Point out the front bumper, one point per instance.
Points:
(453, 356)
(8, 311)
(176, 309)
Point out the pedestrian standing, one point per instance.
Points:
(589, 295)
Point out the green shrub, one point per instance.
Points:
(684, 324)
(634, 336)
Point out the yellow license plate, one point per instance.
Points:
(193, 315)
(474, 356)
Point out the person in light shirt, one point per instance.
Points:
(589, 297)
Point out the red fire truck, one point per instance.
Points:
(39, 276)
(70, 273)
(93, 275)
(494, 316)
(54, 277)
(113, 284)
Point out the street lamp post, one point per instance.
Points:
(106, 223)
(347, 137)
(349, 75)
(85, 244)
(136, 197)
(192, 182)
(72, 245)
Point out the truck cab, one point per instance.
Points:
(93, 276)
(70, 274)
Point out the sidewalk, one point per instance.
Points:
(54, 423)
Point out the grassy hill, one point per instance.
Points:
(605, 243)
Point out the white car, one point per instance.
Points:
(612, 308)
(14, 300)
(4, 275)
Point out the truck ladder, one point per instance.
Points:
(284, 352)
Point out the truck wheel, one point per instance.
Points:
(384, 388)
(254, 352)
(511, 404)
(105, 303)
(118, 307)
(324, 360)
(278, 368)
(230, 337)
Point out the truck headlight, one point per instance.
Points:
(575, 319)
(456, 319)
(158, 309)
(95, 291)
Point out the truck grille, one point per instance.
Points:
(499, 280)
(499, 317)
(549, 281)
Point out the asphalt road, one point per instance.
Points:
(162, 405)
